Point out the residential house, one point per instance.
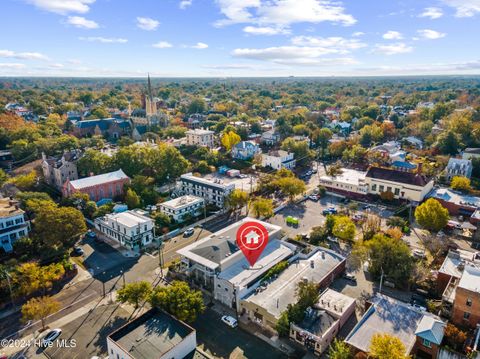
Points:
(391, 150)
(413, 141)
(278, 159)
(470, 153)
(420, 332)
(13, 225)
(404, 185)
(154, 334)
(458, 167)
(131, 229)
(451, 270)
(56, 171)
(265, 305)
(245, 150)
(343, 127)
(107, 185)
(6, 159)
(271, 137)
(323, 321)
(179, 209)
(212, 191)
(196, 120)
(200, 137)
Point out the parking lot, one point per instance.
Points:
(219, 340)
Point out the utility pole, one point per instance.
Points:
(381, 281)
(9, 287)
(160, 257)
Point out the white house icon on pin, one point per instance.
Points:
(252, 237)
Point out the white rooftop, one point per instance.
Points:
(334, 301)
(99, 179)
(200, 131)
(183, 201)
(470, 279)
(455, 261)
(128, 219)
(348, 176)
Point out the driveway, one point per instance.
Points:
(219, 340)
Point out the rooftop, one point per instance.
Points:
(397, 176)
(278, 153)
(470, 279)
(9, 207)
(455, 261)
(128, 219)
(431, 329)
(387, 315)
(472, 150)
(199, 131)
(281, 292)
(349, 176)
(456, 197)
(214, 249)
(457, 163)
(151, 335)
(99, 179)
(189, 177)
(183, 201)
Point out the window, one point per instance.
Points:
(427, 343)
(469, 302)
(389, 189)
(381, 188)
(397, 191)
(466, 315)
(374, 187)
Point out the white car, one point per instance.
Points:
(230, 321)
(189, 232)
(51, 336)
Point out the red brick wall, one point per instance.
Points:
(96, 190)
(433, 351)
(460, 307)
(442, 282)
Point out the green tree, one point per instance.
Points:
(132, 199)
(262, 207)
(175, 131)
(3, 177)
(237, 199)
(39, 309)
(386, 346)
(344, 228)
(322, 137)
(202, 167)
(230, 139)
(448, 142)
(50, 274)
(339, 350)
(94, 162)
(300, 149)
(197, 105)
(390, 255)
(370, 134)
(460, 183)
(178, 300)
(24, 182)
(432, 215)
(291, 186)
(134, 293)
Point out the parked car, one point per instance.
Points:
(366, 207)
(189, 232)
(292, 221)
(230, 321)
(329, 210)
(51, 336)
(242, 175)
(350, 277)
(332, 239)
(419, 253)
(78, 251)
(314, 171)
(90, 235)
(314, 197)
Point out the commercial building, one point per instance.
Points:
(179, 209)
(13, 225)
(322, 323)
(107, 185)
(56, 171)
(265, 305)
(458, 167)
(131, 229)
(200, 137)
(153, 335)
(420, 332)
(350, 183)
(212, 191)
(278, 159)
(217, 264)
(456, 202)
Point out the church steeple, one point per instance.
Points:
(150, 106)
(149, 89)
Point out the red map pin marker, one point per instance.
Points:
(252, 238)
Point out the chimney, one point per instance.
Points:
(419, 168)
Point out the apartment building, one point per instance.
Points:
(200, 137)
(182, 207)
(13, 225)
(212, 191)
(278, 159)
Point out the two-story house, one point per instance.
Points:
(245, 150)
(56, 171)
(278, 159)
(13, 225)
(458, 167)
(131, 229)
(200, 137)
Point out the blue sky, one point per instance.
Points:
(169, 38)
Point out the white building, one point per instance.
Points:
(470, 153)
(131, 229)
(12, 224)
(155, 334)
(200, 137)
(458, 167)
(351, 181)
(212, 191)
(180, 208)
(278, 159)
(217, 264)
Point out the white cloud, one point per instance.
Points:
(337, 44)
(11, 65)
(392, 49)
(63, 6)
(105, 40)
(392, 35)
(185, 3)
(265, 30)
(162, 45)
(282, 13)
(146, 23)
(56, 66)
(464, 8)
(431, 34)
(200, 46)
(22, 55)
(81, 22)
(432, 13)
(358, 34)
